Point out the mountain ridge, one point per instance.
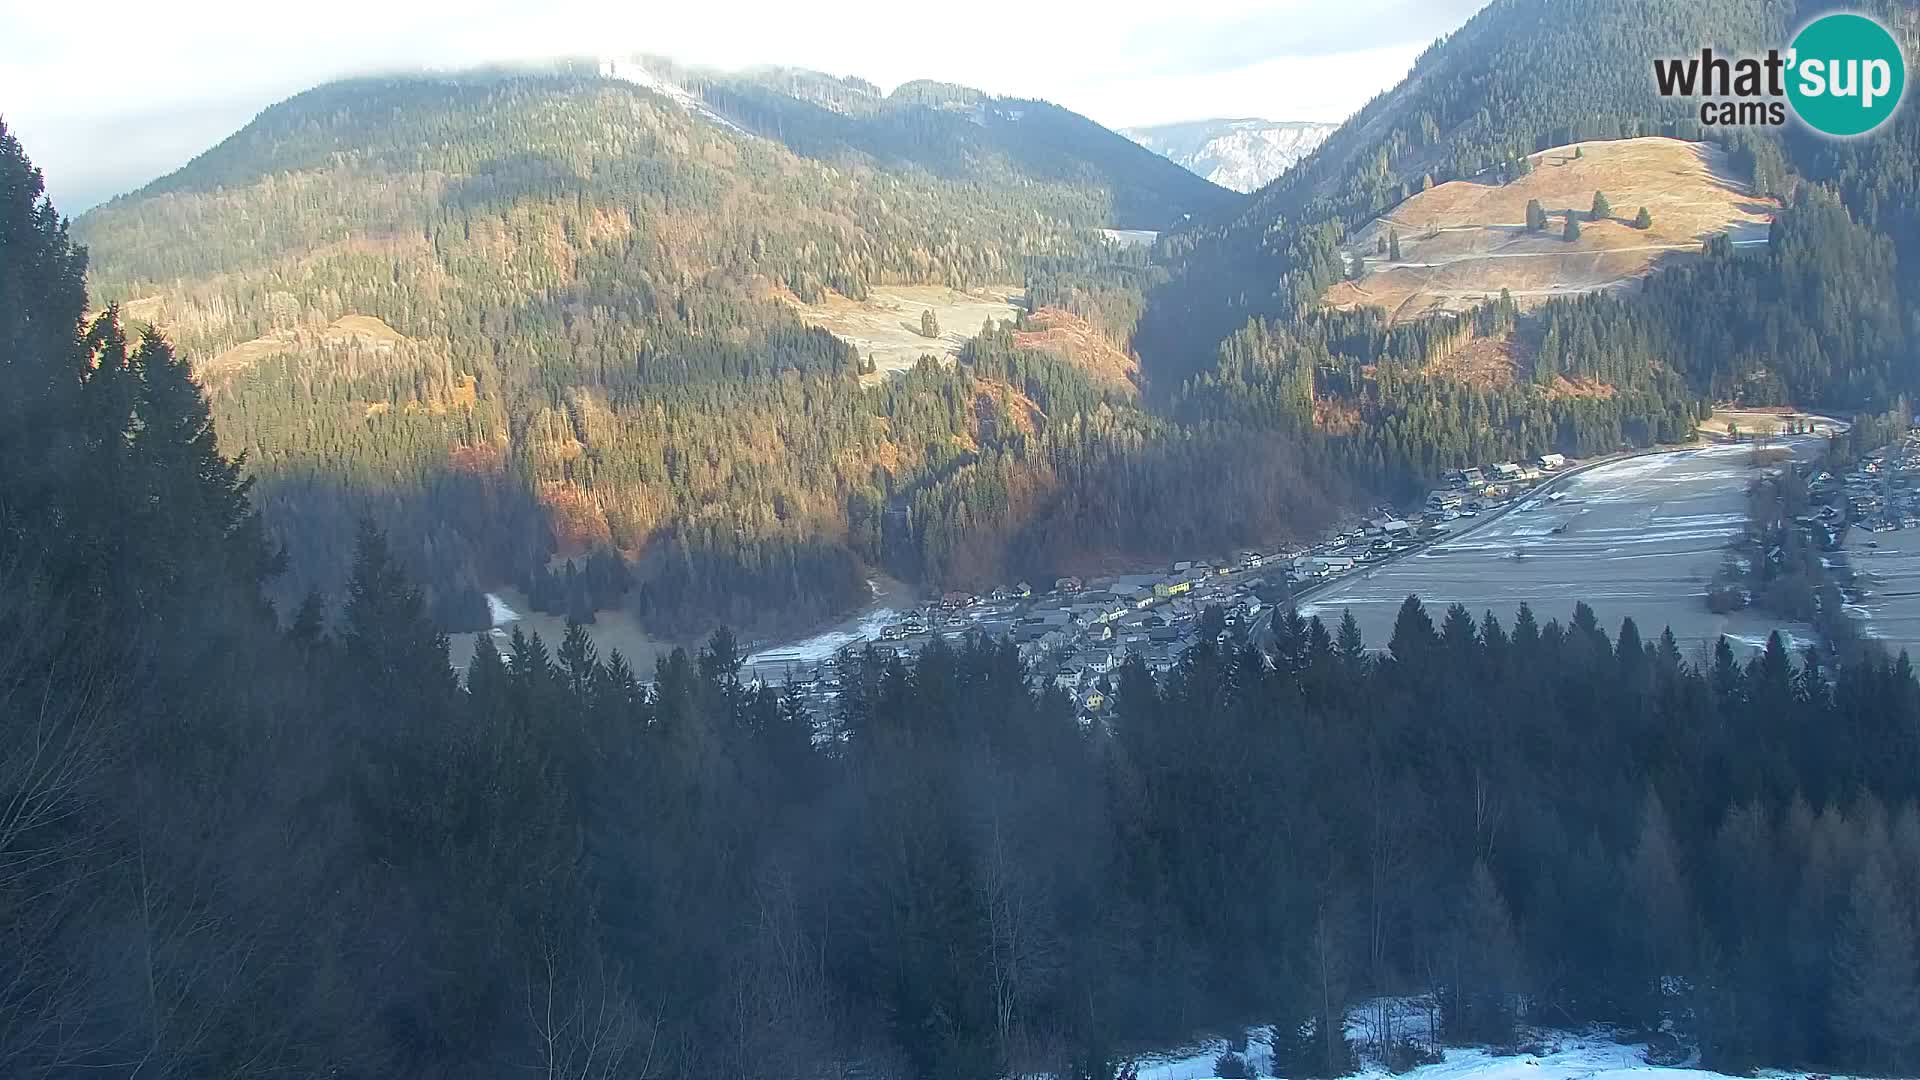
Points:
(590, 350)
(1239, 153)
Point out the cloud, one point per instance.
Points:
(103, 113)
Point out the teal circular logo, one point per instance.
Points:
(1846, 74)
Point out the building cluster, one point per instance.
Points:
(1881, 494)
(1077, 633)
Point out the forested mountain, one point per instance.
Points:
(955, 132)
(520, 315)
(233, 848)
(527, 318)
(1520, 76)
(1820, 315)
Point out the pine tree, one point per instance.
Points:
(386, 630)
(1349, 643)
(1876, 973)
(1643, 220)
(1486, 965)
(578, 659)
(1602, 209)
(1662, 914)
(309, 627)
(197, 499)
(1536, 216)
(929, 324)
(1393, 245)
(1357, 269)
(1572, 231)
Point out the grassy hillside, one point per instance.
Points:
(1465, 241)
(1519, 77)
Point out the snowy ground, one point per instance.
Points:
(1642, 537)
(1566, 1056)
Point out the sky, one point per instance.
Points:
(104, 111)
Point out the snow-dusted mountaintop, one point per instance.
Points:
(637, 73)
(1241, 154)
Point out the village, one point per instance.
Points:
(1881, 494)
(1077, 633)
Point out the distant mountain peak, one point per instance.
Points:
(1242, 153)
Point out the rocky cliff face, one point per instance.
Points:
(1240, 154)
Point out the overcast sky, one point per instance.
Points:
(114, 93)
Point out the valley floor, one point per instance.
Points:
(1548, 1055)
(1641, 537)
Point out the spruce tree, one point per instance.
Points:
(1393, 245)
(1876, 973)
(197, 498)
(1643, 220)
(1349, 643)
(1572, 230)
(1536, 216)
(578, 659)
(1602, 209)
(385, 628)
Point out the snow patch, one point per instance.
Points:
(824, 646)
(628, 71)
(500, 612)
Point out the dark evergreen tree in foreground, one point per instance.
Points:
(233, 849)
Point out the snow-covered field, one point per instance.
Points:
(1568, 1057)
(1643, 536)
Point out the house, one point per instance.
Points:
(1444, 500)
(1095, 661)
(1182, 567)
(1069, 677)
(1553, 461)
(1473, 477)
(1507, 471)
(1066, 584)
(1023, 590)
(1396, 530)
(1093, 700)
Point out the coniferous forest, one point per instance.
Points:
(529, 318)
(236, 849)
(245, 846)
(274, 423)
